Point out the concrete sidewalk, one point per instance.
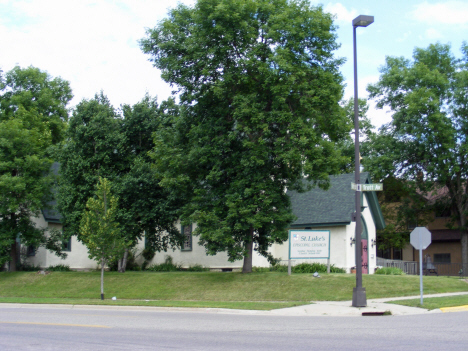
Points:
(374, 306)
(316, 308)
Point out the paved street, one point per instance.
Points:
(87, 328)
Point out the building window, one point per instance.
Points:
(412, 223)
(66, 244)
(397, 254)
(31, 250)
(187, 233)
(442, 258)
(390, 254)
(386, 253)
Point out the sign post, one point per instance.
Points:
(359, 292)
(420, 238)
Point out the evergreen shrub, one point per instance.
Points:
(389, 271)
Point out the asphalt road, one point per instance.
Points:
(121, 329)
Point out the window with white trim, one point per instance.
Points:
(186, 231)
(66, 244)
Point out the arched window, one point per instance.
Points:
(364, 233)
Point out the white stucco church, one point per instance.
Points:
(316, 209)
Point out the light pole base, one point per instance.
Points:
(359, 297)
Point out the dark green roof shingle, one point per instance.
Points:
(333, 206)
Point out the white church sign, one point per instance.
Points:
(309, 244)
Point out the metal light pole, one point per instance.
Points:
(359, 293)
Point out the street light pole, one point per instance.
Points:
(359, 293)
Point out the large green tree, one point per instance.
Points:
(92, 150)
(426, 142)
(102, 142)
(145, 207)
(259, 90)
(33, 114)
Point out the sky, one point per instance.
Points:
(94, 44)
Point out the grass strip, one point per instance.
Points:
(432, 303)
(217, 286)
(238, 305)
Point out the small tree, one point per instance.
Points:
(99, 229)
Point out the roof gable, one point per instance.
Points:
(334, 206)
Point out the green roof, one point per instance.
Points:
(334, 206)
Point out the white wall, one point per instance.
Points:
(77, 258)
(341, 252)
(191, 258)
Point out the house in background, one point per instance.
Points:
(445, 248)
(446, 243)
(316, 209)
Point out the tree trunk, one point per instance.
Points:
(464, 252)
(123, 262)
(463, 239)
(103, 264)
(247, 267)
(14, 257)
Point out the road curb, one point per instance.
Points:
(454, 309)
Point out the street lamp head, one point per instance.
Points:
(363, 21)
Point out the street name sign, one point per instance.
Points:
(367, 187)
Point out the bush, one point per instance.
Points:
(167, 266)
(300, 268)
(279, 268)
(315, 267)
(197, 268)
(59, 268)
(148, 254)
(389, 271)
(26, 267)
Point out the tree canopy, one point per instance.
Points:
(102, 142)
(145, 207)
(425, 144)
(259, 90)
(91, 151)
(33, 111)
(35, 91)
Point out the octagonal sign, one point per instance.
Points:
(420, 238)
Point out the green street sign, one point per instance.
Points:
(367, 187)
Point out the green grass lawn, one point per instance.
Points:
(432, 303)
(266, 290)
